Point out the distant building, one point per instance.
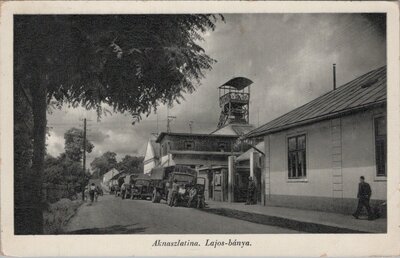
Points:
(315, 154)
(196, 150)
(107, 176)
(152, 156)
(208, 153)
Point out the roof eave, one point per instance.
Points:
(316, 119)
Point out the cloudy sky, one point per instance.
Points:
(289, 58)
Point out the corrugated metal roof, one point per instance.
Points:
(238, 83)
(233, 129)
(363, 92)
(194, 135)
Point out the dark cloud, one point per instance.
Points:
(98, 136)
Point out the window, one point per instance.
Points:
(380, 145)
(297, 157)
(189, 145)
(222, 146)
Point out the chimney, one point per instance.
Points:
(334, 76)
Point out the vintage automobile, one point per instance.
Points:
(162, 179)
(142, 188)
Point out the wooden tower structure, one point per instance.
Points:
(234, 100)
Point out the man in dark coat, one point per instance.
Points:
(363, 195)
(251, 189)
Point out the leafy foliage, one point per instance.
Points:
(130, 62)
(101, 165)
(67, 169)
(131, 165)
(74, 144)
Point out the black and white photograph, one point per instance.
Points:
(200, 123)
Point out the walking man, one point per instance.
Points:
(92, 191)
(363, 195)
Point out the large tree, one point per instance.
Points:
(131, 165)
(101, 165)
(129, 62)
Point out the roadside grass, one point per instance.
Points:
(57, 215)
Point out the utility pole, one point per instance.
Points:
(84, 156)
(334, 76)
(191, 126)
(169, 119)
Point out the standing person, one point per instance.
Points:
(123, 190)
(363, 195)
(192, 195)
(96, 193)
(92, 190)
(174, 192)
(250, 191)
(201, 203)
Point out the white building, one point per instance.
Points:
(315, 154)
(152, 156)
(107, 176)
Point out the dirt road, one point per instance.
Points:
(112, 215)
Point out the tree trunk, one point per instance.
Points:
(39, 109)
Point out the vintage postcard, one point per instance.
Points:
(199, 128)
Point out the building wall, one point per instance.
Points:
(201, 143)
(338, 152)
(150, 161)
(149, 165)
(359, 154)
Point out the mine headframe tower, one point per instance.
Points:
(234, 100)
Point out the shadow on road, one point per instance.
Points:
(306, 227)
(116, 229)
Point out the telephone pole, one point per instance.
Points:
(169, 119)
(191, 126)
(84, 144)
(84, 156)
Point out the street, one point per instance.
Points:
(112, 215)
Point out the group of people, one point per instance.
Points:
(193, 192)
(93, 191)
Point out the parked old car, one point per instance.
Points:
(162, 179)
(142, 187)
